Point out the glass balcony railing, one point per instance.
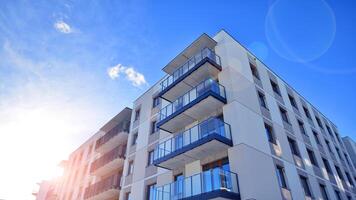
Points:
(111, 182)
(188, 65)
(208, 181)
(117, 152)
(196, 133)
(202, 88)
(122, 127)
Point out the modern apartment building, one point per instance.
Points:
(351, 148)
(93, 171)
(222, 125)
(219, 125)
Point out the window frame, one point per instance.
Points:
(275, 87)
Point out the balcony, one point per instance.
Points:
(115, 136)
(107, 188)
(199, 67)
(205, 98)
(205, 139)
(110, 161)
(211, 184)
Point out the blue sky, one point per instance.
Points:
(55, 89)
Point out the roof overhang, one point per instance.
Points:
(124, 115)
(203, 41)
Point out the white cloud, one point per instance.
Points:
(62, 27)
(137, 79)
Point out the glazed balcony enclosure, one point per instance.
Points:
(211, 184)
(205, 98)
(204, 139)
(201, 66)
(107, 188)
(110, 161)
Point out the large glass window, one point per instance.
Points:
(151, 194)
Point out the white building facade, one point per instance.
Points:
(221, 125)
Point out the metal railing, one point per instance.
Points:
(111, 182)
(188, 65)
(122, 127)
(203, 129)
(117, 152)
(207, 181)
(202, 88)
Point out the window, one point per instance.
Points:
(151, 194)
(316, 137)
(130, 168)
(312, 158)
(156, 102)
(134, 139)
(275, 88)
(128, 196)
(337, 136)
(319, 122)
(262, 99)
(284, 115)
(270, 134)
(323, 192)
(150, 158)
(301, 127)
(338, 153)
(137, 114)
(254, 71)
(338, 195)
(281, 177)
(293, 147)
(154, 127)
(307, 113)
(347, 159)
(349, 179)
(328, 129)
(305, 185)
(329, 147)
(339, 173)
(327, 166)
(292, 101)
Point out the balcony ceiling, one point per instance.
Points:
(203, 41)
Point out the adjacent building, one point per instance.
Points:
(351, 148)
(94, 170)
(219, 125)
